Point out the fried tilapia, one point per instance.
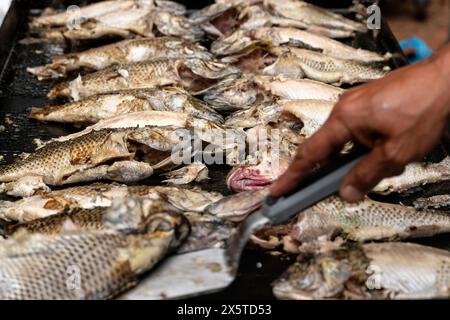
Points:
(107, 105)
(189, 73)
(139, 235)
(370, 271)
(119, 53)
(300, 63)
(367, 220)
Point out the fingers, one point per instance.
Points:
(368, 173)
(332, 136)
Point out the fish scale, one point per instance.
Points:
(90, 264)
(368, 220)
(122, 52)
(371, 271)
(299, 63)
(103, 106)
(33, 279)
(82, 218)
(59, 159)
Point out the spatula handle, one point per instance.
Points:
(317, 186)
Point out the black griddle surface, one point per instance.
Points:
(19, 91)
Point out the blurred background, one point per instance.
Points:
(428, 20)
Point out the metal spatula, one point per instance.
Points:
(210, 270)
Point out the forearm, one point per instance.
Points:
(441, 61)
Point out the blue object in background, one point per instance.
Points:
(421, 49)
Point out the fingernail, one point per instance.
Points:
(351, 194)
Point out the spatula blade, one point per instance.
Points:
(185, 275)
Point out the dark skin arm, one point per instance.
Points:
(400, 117)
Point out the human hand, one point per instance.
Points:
(400, 117)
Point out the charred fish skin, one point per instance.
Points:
(123, 253)
(319, 67)
(370, 271)
(123, 52)
(103, 106)
(367, 220)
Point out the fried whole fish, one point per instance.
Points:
(313, 15)
(300, 63)
(189, 73)
(371, 271)
(140, 236)
(245, 93)
(302, 89)
(107, 105)
(256, 17)
(276, 36)
(119, 53)
(415, 175)
(54, 202)
(367, 220)
(124, 155)
(311, 113)
(101, 195)
(88, 12)
(136, 22)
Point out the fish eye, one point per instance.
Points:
(160, 225)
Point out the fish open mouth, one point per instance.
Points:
(247, 179)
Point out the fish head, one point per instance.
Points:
(264, 113)
(286, 65)
(320, 277)
(258, 176)
(170, 6)
(235, 43)
(176, 25)
(231, 94)
(135, 212)
(236, 207)
(212, 69)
